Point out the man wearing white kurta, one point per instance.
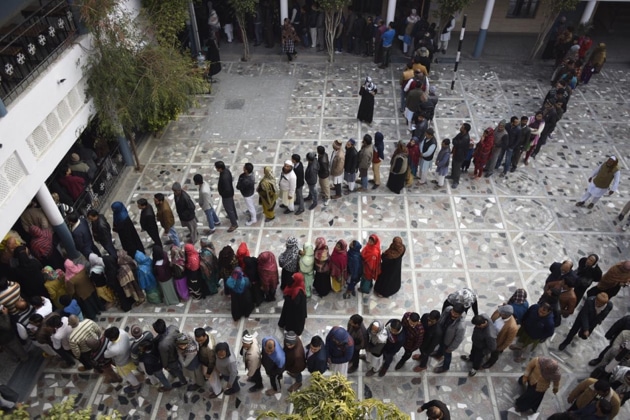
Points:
(288, 182)
(604, 179)
(428, 145)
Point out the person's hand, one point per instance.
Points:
(420, 410)
(525, 379)
(227, 387)
(555, 390)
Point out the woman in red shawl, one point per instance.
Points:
(293, 314)
(193, 274)
(268, 273)
(339, 265)
(483, 151)
(371, 254)
(321, 284)
(241, 253)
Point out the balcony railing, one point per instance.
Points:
(27, 48)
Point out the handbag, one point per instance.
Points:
(365, 286)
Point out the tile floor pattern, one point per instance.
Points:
(494, 235)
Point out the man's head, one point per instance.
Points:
(465, 128)
(514, 121)
(566, 267)
(479, 322)
(457, 310)
(177, 189)
(367, 139)
(270, 346)
(142, 203)
(290, 339)
(544, 310)
(92, 215)
(524, 120)
(356, 320)
(72, 218)
(506, 311)
(434, 413)
(430, 133)
(611, 161)
(501, 126)
(248, 168)
(287, 167)
(592, 260)
(321, 150)
(602, 388)
(337, 144)
(219, 165)
(375, 326)
(198, 179)
(159, 326)
(601, 299)
(446, 142)
(395, 327)
(247, 340)
(112, 333)
(295, 158)
(433, 318)
(350, 143)
(316, 344)
(414, 319)
(158, 198)
(73, 321)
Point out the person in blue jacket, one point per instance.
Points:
(340, 348)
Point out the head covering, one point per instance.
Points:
(371, 255)
(369, 84)
(72, 269)
(601, 298)
(241, 253)
(424, 52)
(176, 186)
(337, 144)
(75, 158)
(50, 273)
(268, 271)
(352, 141)
(95, 261)
(321, 251)
(235, 282)
(136, 331)
(247, 338)
(296, 286)
(290, 337)
(339, 260)
(506, 310)
(182, 339)
(192, 257)
(307, 260)
(120, 212)
(289, 162)
(549, 369)
(395, 250)
(519, 297)
(311, 156)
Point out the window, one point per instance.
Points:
(522, 9)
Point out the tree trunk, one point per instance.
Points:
(134, 150)
(331, 28)
(241, 23)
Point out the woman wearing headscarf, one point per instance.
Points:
(539, 374)
(29, 273)
(307, 267)
(483, 150)
(595, 63)
(366, 107)
(98, 277)
(242, 304)
(536, 124)
(268, 194)
(389, 281)
(268, 273)
(78, 284)
(321, 284)
(371, 256)
(251, 272)
(193, 273)
(355, 268)
(42, 247)
(209, 266)
(178, 270)
(129, 239)
(398, 168)
(162, 271)
(339, 265)
(227, 264)
(293, 314)
(588, 272)
(127, 277)
(289, 261)
(241, 253)
(227, 368)
(54, 283)
(146, 279)
(125, 303)
(377, 158)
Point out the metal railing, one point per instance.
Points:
(27, 48)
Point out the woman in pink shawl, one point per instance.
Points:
(339, 265)
(193, 275)
(322, 284)
(483, 151)
(79, 285)
(268, 273)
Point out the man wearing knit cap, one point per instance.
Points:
(593, 313)
(185, 210)
(295, 358)
(250, 350)
(350, 165)
(337, 159)
(604, 179)
(505, 323)
(288, 181)
(81, 333)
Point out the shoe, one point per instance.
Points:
(399, 365)
(131, 389)
(443, 51)
(440, 370)
(335, 197)
(232, 228)
(269, 219)
(231, 391)
(249, 222)
(419, 369)
(502, 175)
(217, 223)
(326, 202)
(455, 185)
(590, 206)
(594, 362)
(312, 206)
(164, 389)
(437, 187)
(624, 227)
(270, 392)
(295, 386)
(210, 231)
(382, 372)
(375, 186)
(563, 346)
(308, 199)
(415, 357)
(620, 217)
(282, 206)
(512, 169)
(346, 295)
(371, 181)
(255, 388)
(287, 211)
(370, 372)
(297, 213)
(353, 368)
(488, 174)
(212, 395)
(579, 204)
(486, 366)
(465, 357)
(472, 372)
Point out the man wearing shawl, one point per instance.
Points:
(273, 360)
(268, 194)
(539, 374)
(604, 179)
(101, 231)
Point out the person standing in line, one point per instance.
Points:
(227, 368)
(507, 328)
(166, 346)
(428, 145)
(484, 341)
(604, 179)
(395, 340)
(310, 176)
(273, 360)
(430, 341)
(461, 144)
(119, 350)
(102, 231)
(298, 169)
(337, 158)
(226, 191)
(441, 163)
(81, 235)
(294, 309)
(414, 334)
(166, 218)
(376, 339)
(387, 39)
(445, 36)
(613, 280)
(316, 356)
(246, 185)
(295, 358)
(378, 154)
(452, 325)
(358, 332)
(593, 313)
(185, 210)
(268, 194)
(324, 173)
(340, 348)
(148, 222)
(250, 351)
(288, 181)
(350, 165)
(536, 326)
(539, 374)
(365, 160)
(205, 202)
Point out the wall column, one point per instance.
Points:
(51, 211)
(588, 11)
(3, 109)
(125, 151)
(483, 31)
(391, 12)
(284, 10)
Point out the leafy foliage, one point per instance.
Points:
(168, 18)
(242, 9)
(332, 11)
(63, 410)
(550, 10)
(448, 8)
(333, 398)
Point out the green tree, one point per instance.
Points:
(550, 10)
(64, 410)
(242, 9)
(333, 10)
(168, 17)
(333, 398)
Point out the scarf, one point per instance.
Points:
(268, 271)
(296, 286)
(321, 255)
(227, 262)
(519, 297)
(96, 261)
(290, 258)
(371, 255)
(120, 212)
(241, 253)
(237, 281)
(339, 260)
(369, 84)
(72, 269)
(267, 188)
(307, 260)
(192, 257)
(41, 241)
(395, 250)
(549, 369)
(278, 357)
(487, 143)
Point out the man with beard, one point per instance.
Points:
(298, 169)
(288, 182)
(147, 221)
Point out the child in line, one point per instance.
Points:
(71, 306)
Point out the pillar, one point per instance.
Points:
(195, 44)
(588, 11)
(483, 31)
(125, 151)
(56, 220)
(391, 11)
(3, 109)
(284, 11)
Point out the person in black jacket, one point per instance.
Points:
(316, 356)
(430, 341)
(310, 176)
(395, 340)
(102, 232)
(226, 191)
(298, 168)
(436, 409)
(81, 235)
(246, 184)
(148, 222)
(351, 165)
(164, 343)
(461, 144)
(153, 365)
(324, 173)
(617, 328)
(593, 313)
(514, 133)
(185, 210)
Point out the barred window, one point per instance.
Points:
(522, 9)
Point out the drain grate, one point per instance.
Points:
(234, 104)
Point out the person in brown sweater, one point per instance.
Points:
(539, 374)
(295, 358)
(567, 297)
(590, 389)
(613, 280)
(165, 217)
(505, 323)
